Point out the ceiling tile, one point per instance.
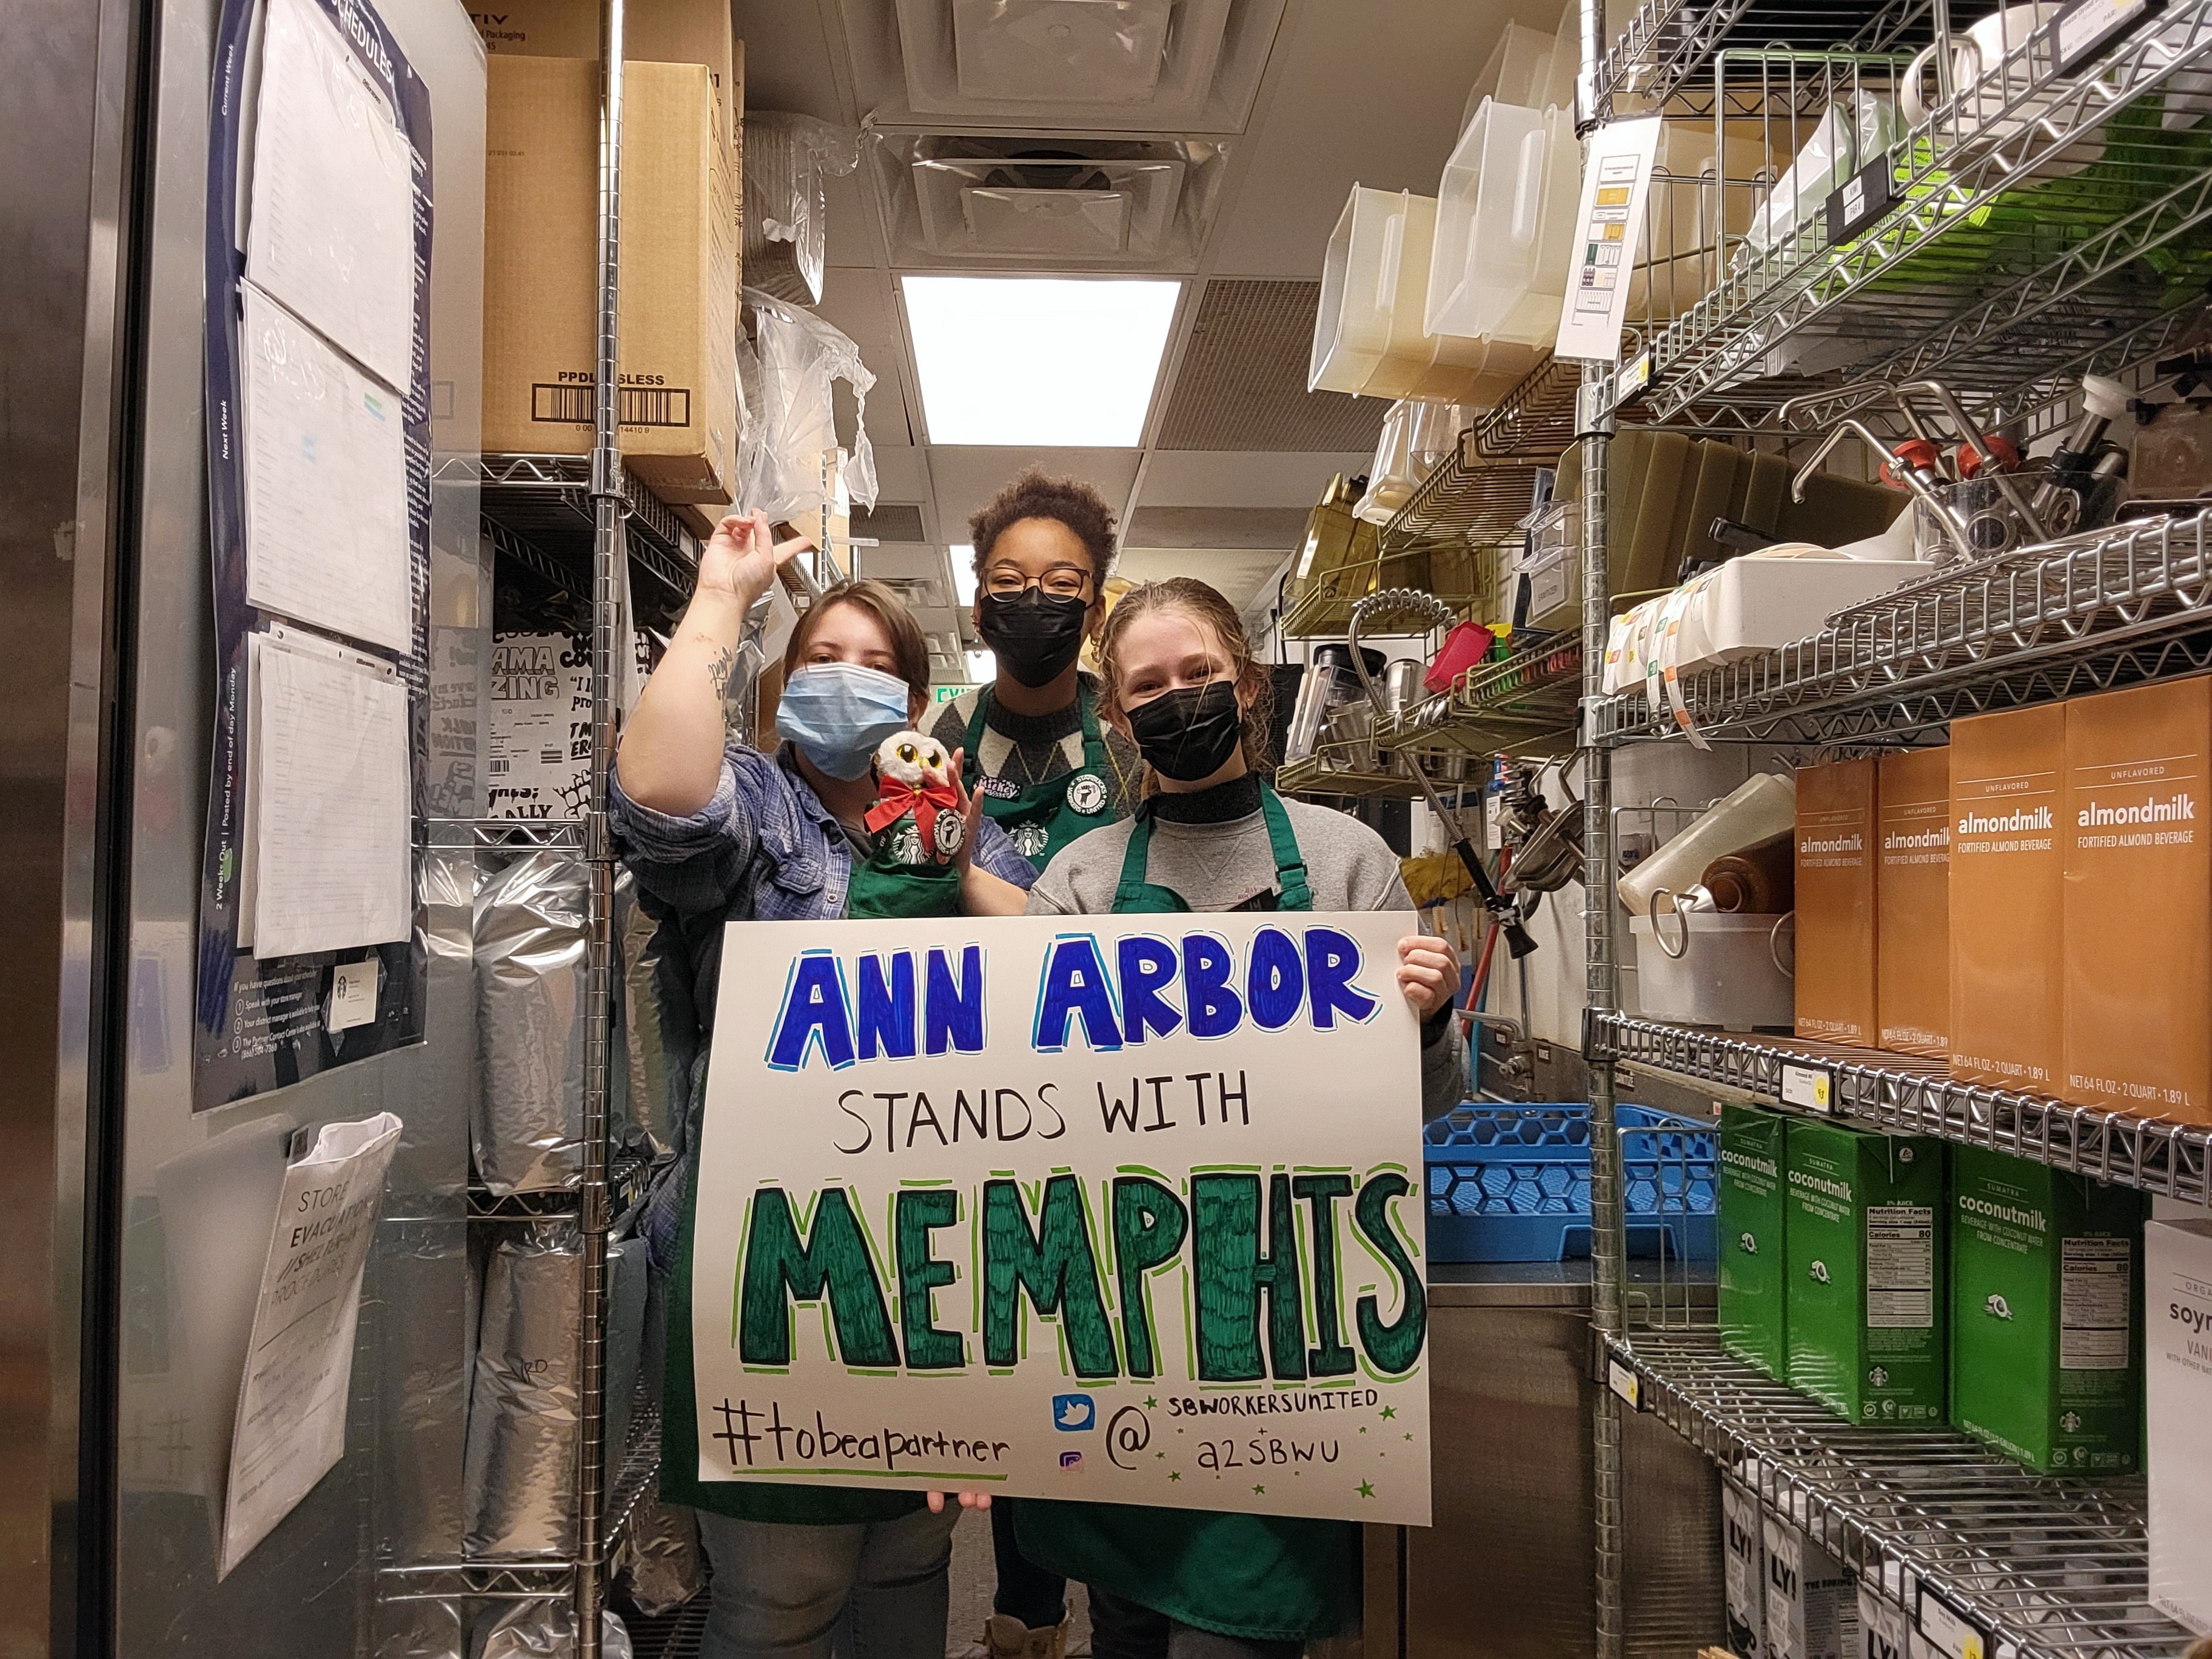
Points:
(1242, 382)
(967, 476)
(1237, 573)
(1193, 477)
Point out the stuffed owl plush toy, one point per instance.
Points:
(916, 817)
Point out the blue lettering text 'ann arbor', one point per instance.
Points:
(898, 1004)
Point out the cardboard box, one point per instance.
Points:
(2007, 898)
(1812, 1605)
(2046, 1311)
(679, 275)
(2138, 902)
(1836, 903)
(1751, 1248)
(2178, 1278)
(653, 31)
(1912, 903)
(1862, 1240)
(1743, 1571)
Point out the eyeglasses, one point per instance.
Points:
(1062, 582)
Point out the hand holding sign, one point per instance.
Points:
(1428, 973)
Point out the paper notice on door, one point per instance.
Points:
(1608, 232)
(332, 227)
(290, 1427)
(326, 485)
(330, 803)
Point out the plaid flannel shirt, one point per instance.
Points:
(764, 848)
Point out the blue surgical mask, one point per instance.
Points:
(837, 712)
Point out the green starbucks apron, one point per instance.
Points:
(1042, 817)
(1263, 1578)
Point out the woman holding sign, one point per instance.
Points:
(1181, 680)
(716, 831)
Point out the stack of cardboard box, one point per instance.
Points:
(683, 113)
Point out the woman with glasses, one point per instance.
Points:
(1048, 771)
(1047, 768)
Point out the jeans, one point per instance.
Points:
(784, 1591)
(1122, 1629)
(1026, 1591)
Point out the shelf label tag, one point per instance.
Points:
(2084, 28)
(1634, 380)
(1608, 232)
(1952, 1633)
(1808, 1086)
(1625, 1383)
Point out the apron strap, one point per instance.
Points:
(971, 766)
(1130, 894)
(1290, 862)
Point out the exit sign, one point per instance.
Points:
(947, 693)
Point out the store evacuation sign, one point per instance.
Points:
(1116, 1208)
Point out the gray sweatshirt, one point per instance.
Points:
(1213, 851)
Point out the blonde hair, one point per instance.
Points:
(1205, 605)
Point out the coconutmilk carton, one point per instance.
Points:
(1751, 1270)
(1863, 1252)
(2046, 1313)
(2178, 1278)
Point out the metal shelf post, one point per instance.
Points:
(608, 553)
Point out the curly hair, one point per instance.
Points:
(1068, 502)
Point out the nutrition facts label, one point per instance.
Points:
(1900, 1267)
(2094, 1281)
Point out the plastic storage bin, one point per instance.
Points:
(1727, 974)
(1369, 335)
(1505, 209)
(1511, 1183)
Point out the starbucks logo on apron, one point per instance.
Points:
(906, 843)
(951, 832)
(1030, 838)
(1086, 793)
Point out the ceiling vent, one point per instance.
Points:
(889, 521)
(1100, 66)
(1082, 203)
(1242, 383)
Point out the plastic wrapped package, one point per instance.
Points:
(521, 1472)
(547, 1630)
(794, 420)
(660, 1029)
(531, 933)
(664, 1567)
(786, 216)
(420, 1629)
(422, 1284)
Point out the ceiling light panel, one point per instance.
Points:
(1042, 362)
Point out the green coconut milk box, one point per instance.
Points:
(1863, 1249)
(1751, 1270)
(2046, 1314)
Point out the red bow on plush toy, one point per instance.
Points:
(912, 775)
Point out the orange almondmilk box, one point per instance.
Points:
(2006, 882)
(1836, 903)
(1912, 903)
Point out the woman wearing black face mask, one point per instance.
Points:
(1179, 677)
(1047, 768)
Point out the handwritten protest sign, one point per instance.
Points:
(1120, 1208)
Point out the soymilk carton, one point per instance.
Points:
(2007, 881)
(1912, 904)
(2139, 901)
(2179, 1282)
(1751, 1270)
(2046, 1353)
(1863, 1249)
(1836, 834)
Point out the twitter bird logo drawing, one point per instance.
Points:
(1073, 1411)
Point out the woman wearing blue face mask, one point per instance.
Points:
(715, 831)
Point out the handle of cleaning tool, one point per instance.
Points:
(1516, 937)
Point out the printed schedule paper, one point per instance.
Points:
(331, 230)
(290, 1427)
(326, 485)
(329, 803)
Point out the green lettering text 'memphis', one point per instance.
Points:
(1237, 1234)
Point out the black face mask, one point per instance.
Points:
(1035, 634)
(1190, 732)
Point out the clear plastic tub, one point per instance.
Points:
(1369, 335)
(1727, 974)
(1505, 209)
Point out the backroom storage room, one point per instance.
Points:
(1513, 698)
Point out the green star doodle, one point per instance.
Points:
(1363, 1428)
(1409, 1437)
(1162, 1456)
(1367, 1489)
(1175, 1475)
(1389, 1411)
(1259, 1491)
(1150, 1404)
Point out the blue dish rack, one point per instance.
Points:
(1511, 1183)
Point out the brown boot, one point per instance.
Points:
(1005, 1637)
